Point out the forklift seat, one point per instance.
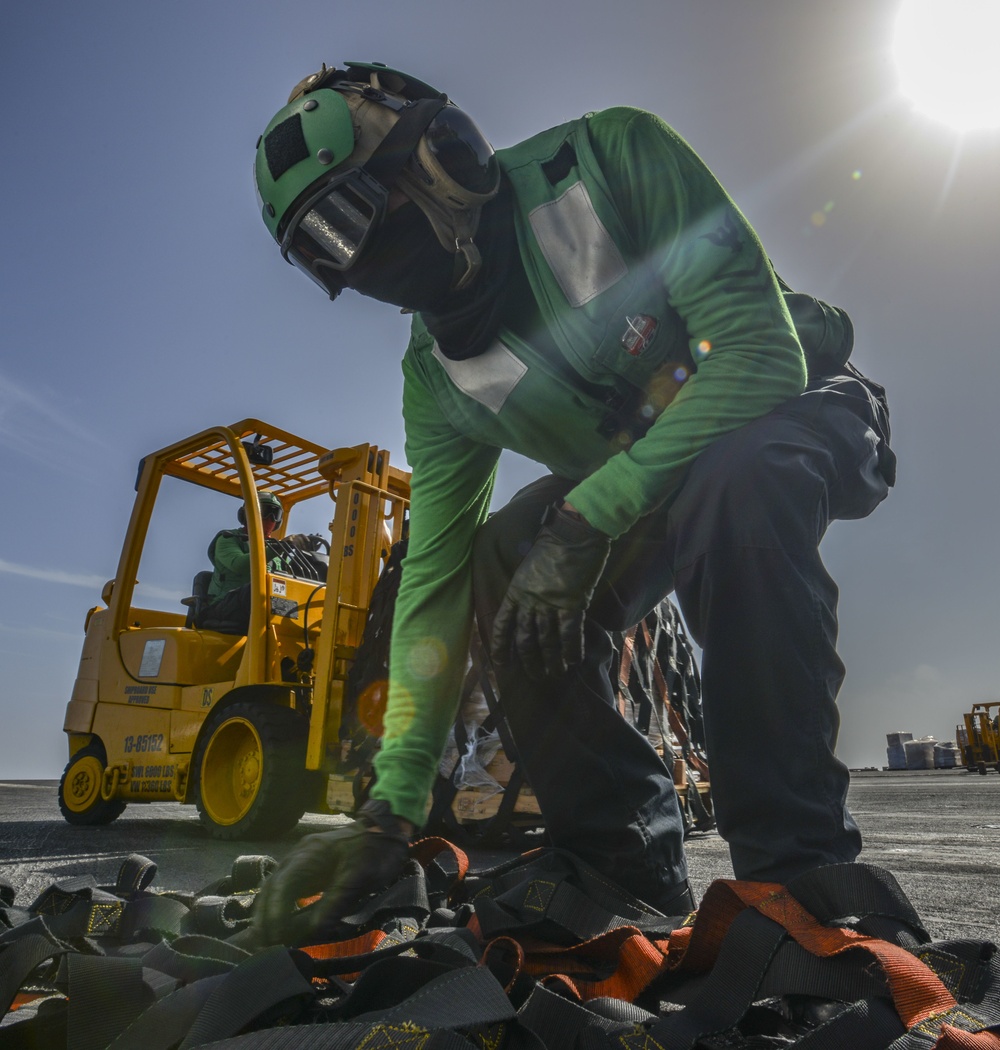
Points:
(199, 607)
(199, 599)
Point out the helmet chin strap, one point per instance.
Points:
(468, 253)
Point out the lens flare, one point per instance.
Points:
(945, 55)
(428, 658)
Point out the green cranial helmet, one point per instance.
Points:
(328, 160)
(270, 507)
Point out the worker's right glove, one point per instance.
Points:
(345, 865)
(540, 620)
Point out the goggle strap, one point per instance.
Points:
(392, 153)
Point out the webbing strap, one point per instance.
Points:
(169, 1019)
(870, 1024)
(46, 1030)
(917, 992)
(560, 1024)
(105, 996)
(463, 998)
(351, 953)
(135, 875)
(537, 901)
(969, 969)
(158, 915)
(559, 894)
(952, 1038)
(353, 957)
(794, 971)
(249, 990)
(247, 873)
(924, 1005)
(349, 1036)
(621, 963)
(220, 916)
(730, 988)
(187, 961)
(625, 668)
(407, 895)
(838, 891)
(18, 959)
(428, 854)
(386, 983)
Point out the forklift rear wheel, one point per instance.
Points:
(80, 799)
(250, 764)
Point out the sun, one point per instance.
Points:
(946, 55)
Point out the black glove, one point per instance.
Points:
(540, 620)
(345, 865)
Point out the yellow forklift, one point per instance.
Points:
(248, 723)
(982, 728)
(246, 726)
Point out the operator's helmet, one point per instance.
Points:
(327, 161)
(270, 507)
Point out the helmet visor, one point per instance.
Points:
(327, 233)
(462, 152)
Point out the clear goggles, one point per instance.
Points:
(328, 231)
(332, 225)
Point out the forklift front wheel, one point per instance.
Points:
(80, 800)
(251, 770)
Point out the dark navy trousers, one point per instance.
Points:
(739, 547)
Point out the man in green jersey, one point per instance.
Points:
(593, 299)
(229, 595)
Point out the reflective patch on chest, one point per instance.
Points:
(577, 246)
(488, 378)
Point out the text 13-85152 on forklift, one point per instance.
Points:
(167, 706)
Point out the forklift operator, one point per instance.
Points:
(592, 299)
(229, 590)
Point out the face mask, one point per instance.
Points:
(404, 264)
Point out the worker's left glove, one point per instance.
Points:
(345, 865)
(540, 620)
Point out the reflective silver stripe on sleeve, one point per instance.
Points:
(488, 378)
(577, 246)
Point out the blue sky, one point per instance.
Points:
(142, 299)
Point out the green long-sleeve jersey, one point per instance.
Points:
(229, 552)
(646, 281)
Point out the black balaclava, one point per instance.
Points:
(403, 264)
(406, 266)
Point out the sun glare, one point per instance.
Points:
(946, 55)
